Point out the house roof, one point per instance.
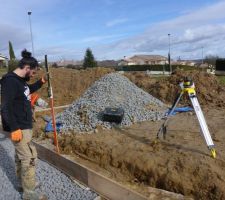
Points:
(147, 58)
(204, 65)
(3, 57)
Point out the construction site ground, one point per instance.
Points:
(181, 163)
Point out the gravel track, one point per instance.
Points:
(53, 183)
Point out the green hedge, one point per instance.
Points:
(154, 68)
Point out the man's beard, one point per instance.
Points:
(27, 77)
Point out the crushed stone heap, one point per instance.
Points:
(112, 90)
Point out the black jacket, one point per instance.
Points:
(15, 102)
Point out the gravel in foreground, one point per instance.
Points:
(53, 183)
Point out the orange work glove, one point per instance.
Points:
(34, 98)
(16, 135)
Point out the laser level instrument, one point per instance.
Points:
(187, 86)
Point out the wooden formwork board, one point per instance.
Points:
(99, 183)
(102, 185)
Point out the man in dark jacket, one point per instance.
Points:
(17, 119)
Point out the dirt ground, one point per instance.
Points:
(181, 163)
(69, 84)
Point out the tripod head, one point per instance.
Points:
(188, 82)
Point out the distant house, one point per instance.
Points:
(204, 66)
(190, 63)
(144, 60)
(3, 61)
(184, 62)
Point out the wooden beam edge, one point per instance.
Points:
(102, 185)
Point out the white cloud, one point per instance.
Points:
(116, 22)
(99, 38)
(204, 27)
(192, 30)
(59, 52)
(14, 23)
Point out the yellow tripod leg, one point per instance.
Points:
(213, 152)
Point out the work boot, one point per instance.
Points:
(33, 195)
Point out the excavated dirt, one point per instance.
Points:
(209, 90)
(181, 163)
(69, 84)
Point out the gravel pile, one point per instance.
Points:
(53, 183)
(112, 90)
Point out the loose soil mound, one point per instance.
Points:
(209, 90)
(69, 84)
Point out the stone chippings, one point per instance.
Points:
(53, 183)
(112, 90)
(57, 185)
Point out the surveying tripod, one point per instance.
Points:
(187, 86)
